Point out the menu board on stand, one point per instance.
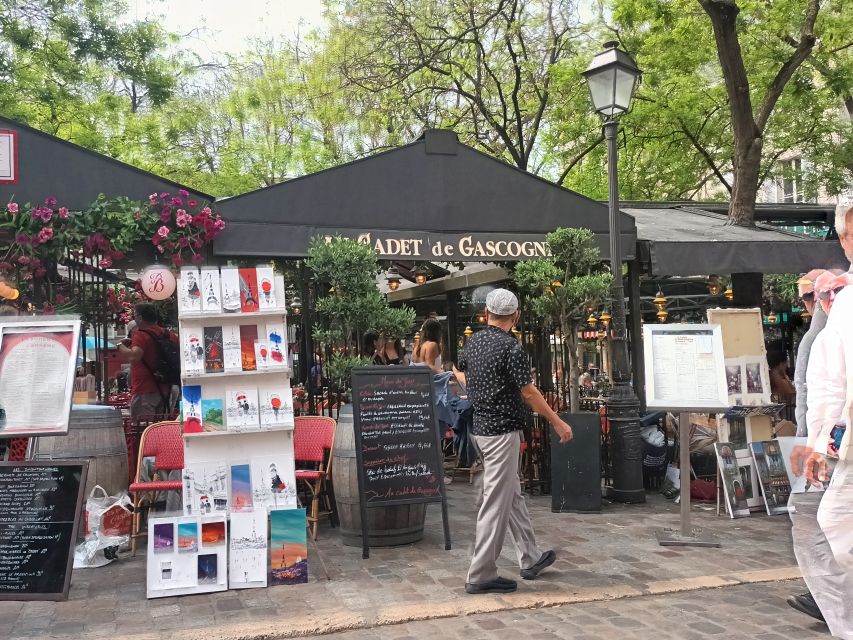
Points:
(397, 441)
(40, 507)
(685, 373)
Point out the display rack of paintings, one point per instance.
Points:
(234, 351)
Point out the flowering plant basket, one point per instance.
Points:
(179, 226)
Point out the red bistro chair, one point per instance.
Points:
(161, 441)
(313, 436)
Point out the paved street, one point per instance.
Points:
(603, 556)
(747, 611)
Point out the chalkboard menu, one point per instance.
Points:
(40, 504)
(576, 466)
(397, 440)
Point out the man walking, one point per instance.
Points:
(150, 383)
(496, 371)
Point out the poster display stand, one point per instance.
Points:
(685, 374)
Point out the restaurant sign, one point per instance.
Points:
(453, 247)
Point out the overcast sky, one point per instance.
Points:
(228, 24)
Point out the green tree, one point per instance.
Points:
(562, 287)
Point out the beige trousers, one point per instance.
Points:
(501, 505)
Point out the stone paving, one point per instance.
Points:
(600, 556)
(745, 611)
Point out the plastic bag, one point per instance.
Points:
(108, 525)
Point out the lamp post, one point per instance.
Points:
(612, 77)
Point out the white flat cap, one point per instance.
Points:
(501, 302)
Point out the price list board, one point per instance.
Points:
(397, 440)
(40, 506)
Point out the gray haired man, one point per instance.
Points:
(496, 372)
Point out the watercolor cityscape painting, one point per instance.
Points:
(288, 546)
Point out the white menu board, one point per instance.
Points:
(685, 367)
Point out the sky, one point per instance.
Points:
(224, 26)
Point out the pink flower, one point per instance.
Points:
(155, 240)
(106, 263)
(23, 260)
(41, 272)
(45, 234)
(165, 216)
(184, 193)
(22, 238)
(12, 207)
(197, 258)
(164, 195)
(50, 201)
(206, 211)
(153, 196)
(177, 260)
(219, 225)
(63, 213)
(183, 243)
(5, 266)
(183, 220)
(192, 203)
(198, 243)
(136, 215)
(163, 232)
(160, 248)
(177, 202)
(117, 255)
(198, 220)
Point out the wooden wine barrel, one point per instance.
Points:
(95, 434)
(387, 526)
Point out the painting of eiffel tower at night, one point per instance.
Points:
(288, 546)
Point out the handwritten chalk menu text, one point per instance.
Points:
(40, 506)
(395, 418)
(396, 439)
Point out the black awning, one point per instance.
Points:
(50, 166)
(435, 199)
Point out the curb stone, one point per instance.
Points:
(318, 625)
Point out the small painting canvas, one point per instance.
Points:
(193, 348)
(274, 482)
(248, 550)
(276, 406)
(266, 288)
(191, 409)
(241, 488)
(205, 486)
(212, 533)
(213, 418)
(164, 537)
(262, 356)
(248, 338)
(211, 290)
(277, 339)
(207, 568)
(241, 411)
(288, 546)
(187, 537)
(733, 482)
(734, 378)
(189, 290)
(230, 280)
(213, 352)
(248, 290)
(772, 475)
(232, 355)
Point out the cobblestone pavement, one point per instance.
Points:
(600, 556)
(746, 611)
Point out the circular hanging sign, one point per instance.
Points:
(158, 282)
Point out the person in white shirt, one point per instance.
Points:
(829, 579)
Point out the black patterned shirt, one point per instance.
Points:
(496, 368)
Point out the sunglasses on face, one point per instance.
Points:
(808, 297)
(829, 294)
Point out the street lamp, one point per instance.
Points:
(612, 77)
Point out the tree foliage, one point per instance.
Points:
(560, 289)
